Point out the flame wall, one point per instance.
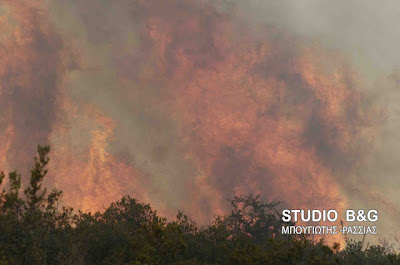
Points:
(182, 104)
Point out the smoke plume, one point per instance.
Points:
(183, 104)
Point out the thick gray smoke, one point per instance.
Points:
(195, 101)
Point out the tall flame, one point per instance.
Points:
(249, 109)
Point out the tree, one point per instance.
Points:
(36, 229)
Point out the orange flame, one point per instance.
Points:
(256, 110)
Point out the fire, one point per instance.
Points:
(257, 114)
(5, 142)
(255, 110)
(90, 176)
(30, 72)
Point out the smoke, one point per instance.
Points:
(31, 71)
(184, 104)
(363, 32)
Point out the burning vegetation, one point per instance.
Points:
(197, 106)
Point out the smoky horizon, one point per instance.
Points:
(185, 104)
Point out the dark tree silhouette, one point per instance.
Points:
(36, 229)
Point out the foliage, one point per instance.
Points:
(36, 229)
